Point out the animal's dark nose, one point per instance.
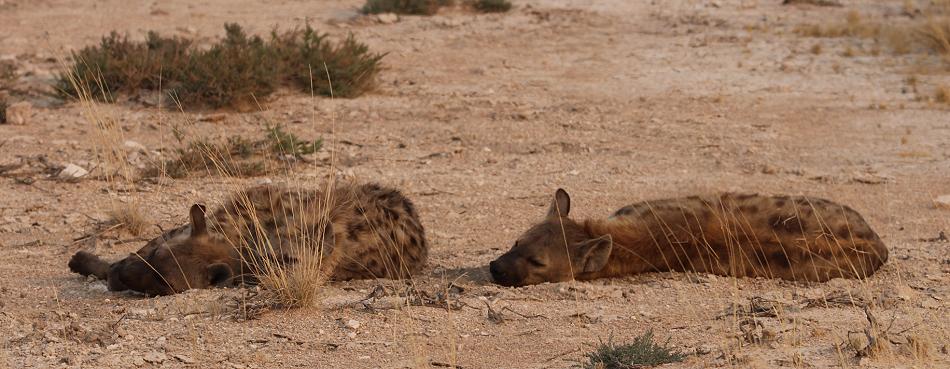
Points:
(495, 270)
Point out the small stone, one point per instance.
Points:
(72, 171)
(19, 113)
(154, 357)
(353, 324)
(135, 146)
(942, 202)
(387, 18)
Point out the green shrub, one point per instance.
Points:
(7, 76)
(312, 63)
(414, 7)
(492, 6)
(642, 352)
(233, 72)
(236, 71)
(118, 64)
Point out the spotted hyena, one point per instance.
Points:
(356, 231)
(742, 235)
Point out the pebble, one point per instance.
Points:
(72, 171)
(135, 146)
(387, 18)
(353, 324)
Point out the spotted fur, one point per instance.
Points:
(357, 231)
(742, 235)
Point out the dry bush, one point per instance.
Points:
(642, 352)
(118, 64)
(313, 63)
(413, 7)
(235, 71)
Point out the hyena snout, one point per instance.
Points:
(503, 274)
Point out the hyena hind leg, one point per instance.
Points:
(88, 264)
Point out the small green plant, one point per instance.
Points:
(413, 7)
(7, 76)
(642, 352)
(235, 156)
(3, 110)
(286, 143)
(236, 72)
(491, 6)
(231, 157)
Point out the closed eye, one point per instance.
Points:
(536, 262)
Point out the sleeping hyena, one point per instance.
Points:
(355, 231)
(789, 237)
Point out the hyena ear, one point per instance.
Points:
(198, 225)
(560, 205)
(219, 274)
(329, 239)
(592, 254)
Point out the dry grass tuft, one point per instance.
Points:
(935, 33)
(925, 34)
(942, 95)
(412, 7)
(128, 216)
(918, 348)
(233, 72)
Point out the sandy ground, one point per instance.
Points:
(480, 118)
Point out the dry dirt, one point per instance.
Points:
(480, 118)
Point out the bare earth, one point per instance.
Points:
(479, 118)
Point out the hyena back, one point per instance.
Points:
(742, 235)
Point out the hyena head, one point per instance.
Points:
(168, 266)
(557, 249)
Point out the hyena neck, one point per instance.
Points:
(633, 249)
